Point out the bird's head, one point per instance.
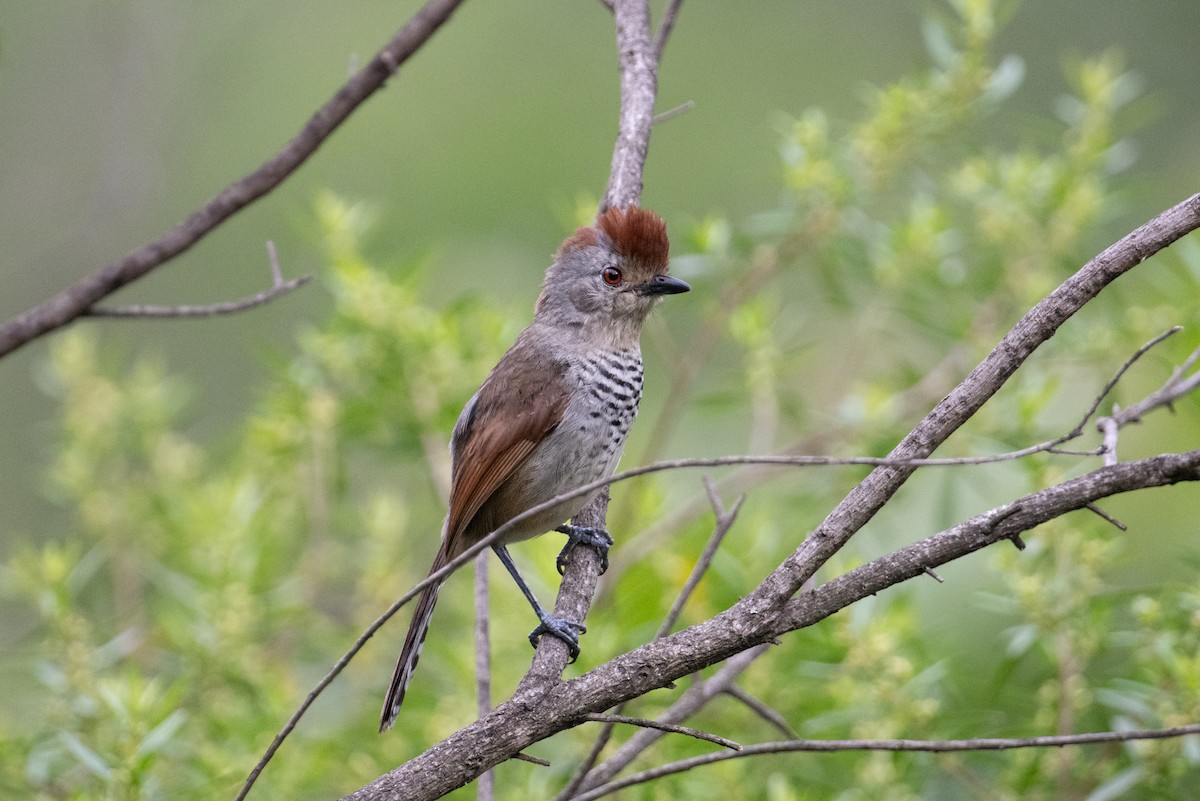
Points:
(612, 273)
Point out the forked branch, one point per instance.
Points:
(74, 301)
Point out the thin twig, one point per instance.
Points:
(665, 27)
(933, 746)
(150, 311)
(486, 788)
(76, 299)
(1112, 382)
(278, 287)
(667, 727)
(671, 113)
(761, 709)
(725, 521)
(693, 700)
(1091, 507)
(1172, 389)
(545, 763)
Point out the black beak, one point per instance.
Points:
(664, 285)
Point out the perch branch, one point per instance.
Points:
(539, 709)
(724, 523)
(575, 596)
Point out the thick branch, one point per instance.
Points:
(1037, 326)
(73, 301)
(1001, 523)
(538, 709)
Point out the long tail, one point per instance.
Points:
(411, 651)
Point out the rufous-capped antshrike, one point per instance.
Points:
(553, 414)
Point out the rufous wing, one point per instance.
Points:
(519, 404)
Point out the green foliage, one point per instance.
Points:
(200, 590)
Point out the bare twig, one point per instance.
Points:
(1172, 389)
(670, 728)
(73, 301)
(486, 789)
(665, 26)
(672, 113)
(761, 709)
(1094, 509)
(932, 746)
(693, 700)
(278, 287)
(520, 757)
(1112, 382)
(725, 521)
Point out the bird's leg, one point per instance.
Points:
(566, 630)
(598, 538)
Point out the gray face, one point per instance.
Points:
(598, 283)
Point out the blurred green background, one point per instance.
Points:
(120, 118)
(263, 472)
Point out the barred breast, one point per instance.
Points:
(587, 444)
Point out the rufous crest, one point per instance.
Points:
(637, 234)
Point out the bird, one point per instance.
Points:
(554, 412)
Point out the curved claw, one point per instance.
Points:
(566, 630)
(598, 538)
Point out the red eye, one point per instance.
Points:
(611, 276)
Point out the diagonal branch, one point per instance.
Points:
(75, 300)
(1037, 326)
